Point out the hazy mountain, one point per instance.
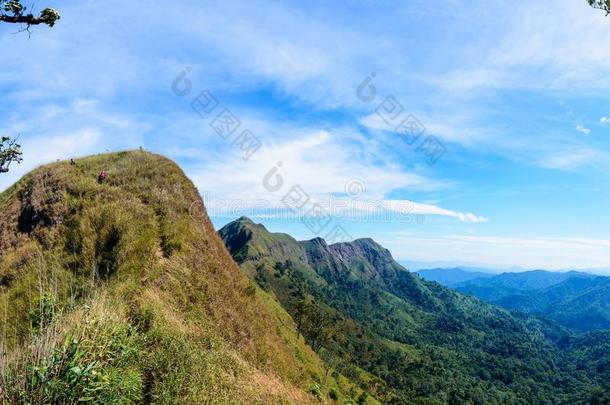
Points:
(409, 340)
(416, 265)
(451, 276)
(580, 301)
(507, 284)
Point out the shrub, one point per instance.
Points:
(250, 290)
(44, 314)
(332, 394)
(316, 391)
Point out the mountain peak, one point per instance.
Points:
(368, 242)
(245, 220)
(318, 241)
(126, 263)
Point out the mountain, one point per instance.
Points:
(450, 276)
(122, 292)
(415, 265)
(510, 283)
(579, 301)
(408, 340)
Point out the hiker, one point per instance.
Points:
(102, 177)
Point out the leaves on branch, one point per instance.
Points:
(10, 151)
(600, 4)
(12, 11)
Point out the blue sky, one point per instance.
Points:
(516, 94)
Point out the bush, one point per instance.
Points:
(250, 290)
(44, 314)
(316, 391)
(66, 377)
(332, 394)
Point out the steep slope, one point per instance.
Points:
(122, 292)
(423, 342)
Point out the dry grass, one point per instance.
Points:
(147, 291)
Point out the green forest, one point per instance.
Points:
(407, 340)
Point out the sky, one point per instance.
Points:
(463, 132)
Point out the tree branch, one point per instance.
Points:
(600, 4)
(28, 19)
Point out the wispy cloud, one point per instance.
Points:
(494, 81)
(373, 212)
(524, 58)
(583, 130)
(568, 159)
(532, 252)
(322, 164)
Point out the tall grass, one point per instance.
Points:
(114, 293)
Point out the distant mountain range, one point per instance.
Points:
(580, 301)
(408, 340)
(416, 265)
(452, 276)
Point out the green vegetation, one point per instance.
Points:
(601, 4)
(114, 293)
(406, 340)
(13, 11)
(578, 301)
(10, 152)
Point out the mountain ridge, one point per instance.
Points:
(119, 293)
(378, 307)
(574, 299)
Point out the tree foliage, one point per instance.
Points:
(12, 11)
(407, 341)
(10, 151)
(601, 4)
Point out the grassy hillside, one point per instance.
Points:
(122, 292)
(421, 342)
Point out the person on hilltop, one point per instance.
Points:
(102, 177)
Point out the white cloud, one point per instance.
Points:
(537, 50)
(568, 159)
(317, 160)
(345, 208)
(528, 252)
(605, 120)
(404, 206)
(322, 165)
(583, 130)
(456, 128)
